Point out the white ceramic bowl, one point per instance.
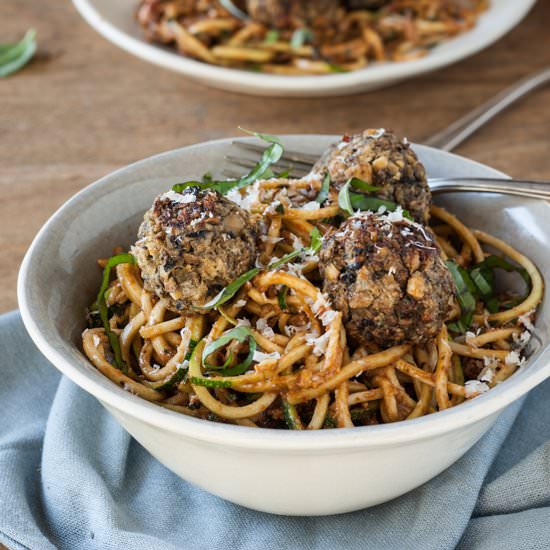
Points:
(274, 471)
(115, 20)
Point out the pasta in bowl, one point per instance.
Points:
(312, 303)
(274, 470)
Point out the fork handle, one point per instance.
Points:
(463, 128)
(521, 188)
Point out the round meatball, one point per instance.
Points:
(385, 274)
(285, 14)
(192, 244)
(381, 159)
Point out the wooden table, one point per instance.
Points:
(84, 108)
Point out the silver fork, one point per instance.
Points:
(448, 139)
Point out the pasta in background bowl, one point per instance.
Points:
(116, 22)
(272, 470)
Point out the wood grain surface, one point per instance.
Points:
(83, 108)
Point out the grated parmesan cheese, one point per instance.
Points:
(474, 388)
(327, 317)
(264, 328)
(319, 343)
(182, 198)
(260, 356)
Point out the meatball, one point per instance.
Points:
(285, 14)
(192, 244)
(385, 274)
(381, 159)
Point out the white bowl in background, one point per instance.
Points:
(115, 20)
(278, 471)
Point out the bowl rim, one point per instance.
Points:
(246, 80)
(128, 404)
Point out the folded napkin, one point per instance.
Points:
(72, 478)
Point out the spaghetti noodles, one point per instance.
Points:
(273, 352)
(342, 36)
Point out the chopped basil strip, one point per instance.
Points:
(344, 199)
(281, 298)
(465, 294)
(234, 10)
(271, 36)
(292, 418)
(323, 193)
(270, 156)
(103, 310)
(316, 241)
(350, 202)
(15, 56)
(300, 37)
(373, 204)
(232, 288)
(483, 277)
(241, 334)
(363, 185)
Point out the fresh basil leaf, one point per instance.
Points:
(234, 10)
(496, 262)
(103, 310)
(266, 137)
(373, 204)
(483, 277)
(465, 294)
(230, 290)
(363, 185)
(300, 37)
(316, 240)
(344, 199)
(241, 334)
(323, 192)
(270, 156)
(15, 56)
(281, 298)
(271, 36)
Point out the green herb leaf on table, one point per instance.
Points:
(15, 56)
(103, 310)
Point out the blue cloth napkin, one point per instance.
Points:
(72, 478)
